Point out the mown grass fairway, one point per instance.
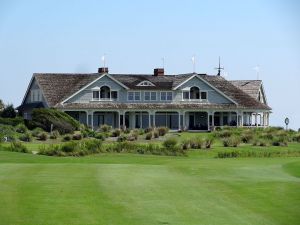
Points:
(137, 189)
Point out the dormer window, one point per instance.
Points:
(145, 83)
(104, 93)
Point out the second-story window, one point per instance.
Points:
(204, 95)
(96, 95)
(134, 96)
(150, 96)
(166, 96)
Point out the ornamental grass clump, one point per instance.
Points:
(21, 128)
(26, 137)
(148, 136)
(105, 128)
(116, 133)
(100, 136)
(43, 136)
(162, 131)
(18, 147)
(36, 131)
(54, 134)
(77, 136)
(232, 141)
(260, 142)
(296, 137)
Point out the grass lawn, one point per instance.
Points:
(142, 189)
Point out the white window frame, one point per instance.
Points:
(134, 95)
(96, 99)
(204, 99)
(166, 92)
(150, 96)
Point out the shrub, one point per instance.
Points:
(11, 121)
(43, 136)
(54, 134)
(196, 143)
(134, 134)
(246, 137)
(77, 136)
(260, 142)
(7, 132)
(21, 128)
(208, 141)
(99, 136)
(18, 147)
(148, 136)
(61, 121)
(223, 133)
(36, 131)
(26, 137)
(279, 141)
(116, 133)
(170, 143)
(162, 131)
(148, 130)
(296, 137)
(186, 144)
(67, 138)
(232, 141)
(141, 131)
(122, 138)
(9, 112)
(155, 134)
(105, 128)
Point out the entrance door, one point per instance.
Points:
(191, 121)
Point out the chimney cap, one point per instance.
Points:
(159, 72)
(103, 70)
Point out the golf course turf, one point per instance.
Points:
(144, 189)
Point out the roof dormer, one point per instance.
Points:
(145, 83)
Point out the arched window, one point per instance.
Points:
(194, 93)
(105, 92)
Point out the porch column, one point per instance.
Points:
(124, 120)
(256, 124)
(237, 119)
(87, 118)
(92, 120)
(149, 119)
(207, 113)
(119, 120)
(213, 119)
(179, 120)
(242, 119)
(154, 118)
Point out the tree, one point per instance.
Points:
(9, 112)
(2, 106)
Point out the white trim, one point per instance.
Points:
(262, 90)
(145, 81)
(210, 85)
(89, 84)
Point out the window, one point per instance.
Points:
(203, 95)
(166, 96)
(163, 96)
(169, 96)
(150, 96)
(145, 83)
(105, 92)
(194, 93)
(147, 96)
(114, 94)
(186, 95)
(137, 96)
(153, 96)
(35, 95)
(134, 96)
(96, 95)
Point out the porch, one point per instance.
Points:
(195, 120)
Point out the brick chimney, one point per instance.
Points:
(103, 70)
(159, 72)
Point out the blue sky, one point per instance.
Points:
(71, 36)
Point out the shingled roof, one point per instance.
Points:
(57, 87)
(251, 87)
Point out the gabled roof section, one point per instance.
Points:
(56, 86)
(95, 80)
(251, 87)
(241, 97)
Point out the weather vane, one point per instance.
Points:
(219, 68)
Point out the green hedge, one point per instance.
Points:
(11, 121)
(61, 121)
